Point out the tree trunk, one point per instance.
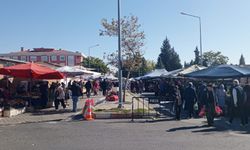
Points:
(125, 86)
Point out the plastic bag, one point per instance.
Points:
(218, 110)
(202, 112)
(196, 106)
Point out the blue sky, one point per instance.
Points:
(75, 24)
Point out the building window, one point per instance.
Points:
(53, 58)
(44, 58)
(33, 58)
(23, 58)
(62, 58)
(15, 57)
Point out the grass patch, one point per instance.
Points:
(118, 110)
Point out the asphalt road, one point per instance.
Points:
(119, 135)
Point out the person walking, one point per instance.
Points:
(237, 103)
(209, 102)
(76, 92)
(177, 101)
(104, 86)
(221, 96)
(96, 87)
(190, 99)
(59, 97)
(88, 87)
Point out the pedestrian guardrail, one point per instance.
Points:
(146, 102)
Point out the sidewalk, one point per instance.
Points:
(45, 115)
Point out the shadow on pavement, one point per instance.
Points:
(77, 117)
(186, 128)
(51, 112)
(219, 126)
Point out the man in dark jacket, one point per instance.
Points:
(76, 92)
(88, 87)
(104, 86)
(237, 103)
(209, 102)
(190, 99)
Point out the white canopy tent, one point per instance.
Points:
(154, 74)
(72, 71)
(181, 72)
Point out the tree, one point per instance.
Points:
(95, 63)
(159, 64)
(212, 58)
(168, 57)
(132, 41)
(242, 60)
(197, 56)
(145, 67)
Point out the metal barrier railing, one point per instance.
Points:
(150, 100)
(138, 106)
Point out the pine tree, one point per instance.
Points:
(168, 57)
(159, 64)
(242, 60)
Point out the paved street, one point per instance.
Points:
(120, 134)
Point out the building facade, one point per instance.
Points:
(50, 55)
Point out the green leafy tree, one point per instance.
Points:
(132, 41)
(168, 57)
(242, 60)
(96, 64)
(212, 58)
(145, 67)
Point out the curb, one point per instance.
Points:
(112, 115)
(27, 122)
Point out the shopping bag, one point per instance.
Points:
(202, 112)
(196, 107)
(218, 110)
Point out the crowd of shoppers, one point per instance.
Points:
(191, 97)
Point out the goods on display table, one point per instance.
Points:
(19, 94)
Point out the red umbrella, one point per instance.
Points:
(31, 71)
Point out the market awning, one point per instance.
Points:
(155, 74)
(220, 72)
(72, 71)
(31, 71)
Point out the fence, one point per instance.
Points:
(150, 102)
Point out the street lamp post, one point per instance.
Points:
(198, 17)
(119, 56)
(89, 52)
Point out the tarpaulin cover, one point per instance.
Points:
(221, 71)
(32, 71)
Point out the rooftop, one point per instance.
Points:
(42, 51)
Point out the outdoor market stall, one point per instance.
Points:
(26, 92)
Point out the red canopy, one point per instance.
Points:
(31, 70)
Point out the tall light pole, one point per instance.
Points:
(198, 17)
(89, 52)
(119, 56)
